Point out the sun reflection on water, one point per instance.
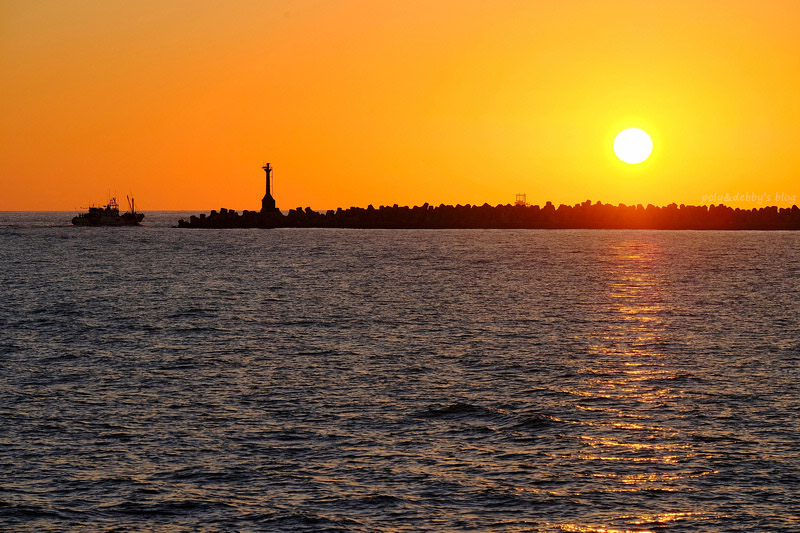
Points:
(628, 380)
(656, 519)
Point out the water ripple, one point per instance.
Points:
(327, 380)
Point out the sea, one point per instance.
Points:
(163, 379)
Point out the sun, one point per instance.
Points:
(633, 145)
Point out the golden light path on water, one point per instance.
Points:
(629, 358)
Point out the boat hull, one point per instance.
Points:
(125, 219)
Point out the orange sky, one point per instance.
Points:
(383, 102)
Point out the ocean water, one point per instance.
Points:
(156, 379)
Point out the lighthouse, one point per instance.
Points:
(268, 202)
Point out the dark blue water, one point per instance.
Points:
(355, 380)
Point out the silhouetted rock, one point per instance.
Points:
(580, 216)
(584, 215)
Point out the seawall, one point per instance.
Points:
(579, 216)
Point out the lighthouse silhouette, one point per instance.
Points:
(268, 202)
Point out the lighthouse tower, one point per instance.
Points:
(268, 202)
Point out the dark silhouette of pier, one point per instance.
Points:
(579, 216)
(586, 215)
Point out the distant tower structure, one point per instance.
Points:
(268, 202)
(521, 199)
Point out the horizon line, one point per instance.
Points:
(389, 206)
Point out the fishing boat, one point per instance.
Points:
(109, 215)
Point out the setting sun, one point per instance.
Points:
(633, 145)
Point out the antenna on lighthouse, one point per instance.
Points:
(268, 169)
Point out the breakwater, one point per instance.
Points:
(586, 215)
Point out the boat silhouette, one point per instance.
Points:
(109, 215)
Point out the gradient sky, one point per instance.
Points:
(380, 102)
